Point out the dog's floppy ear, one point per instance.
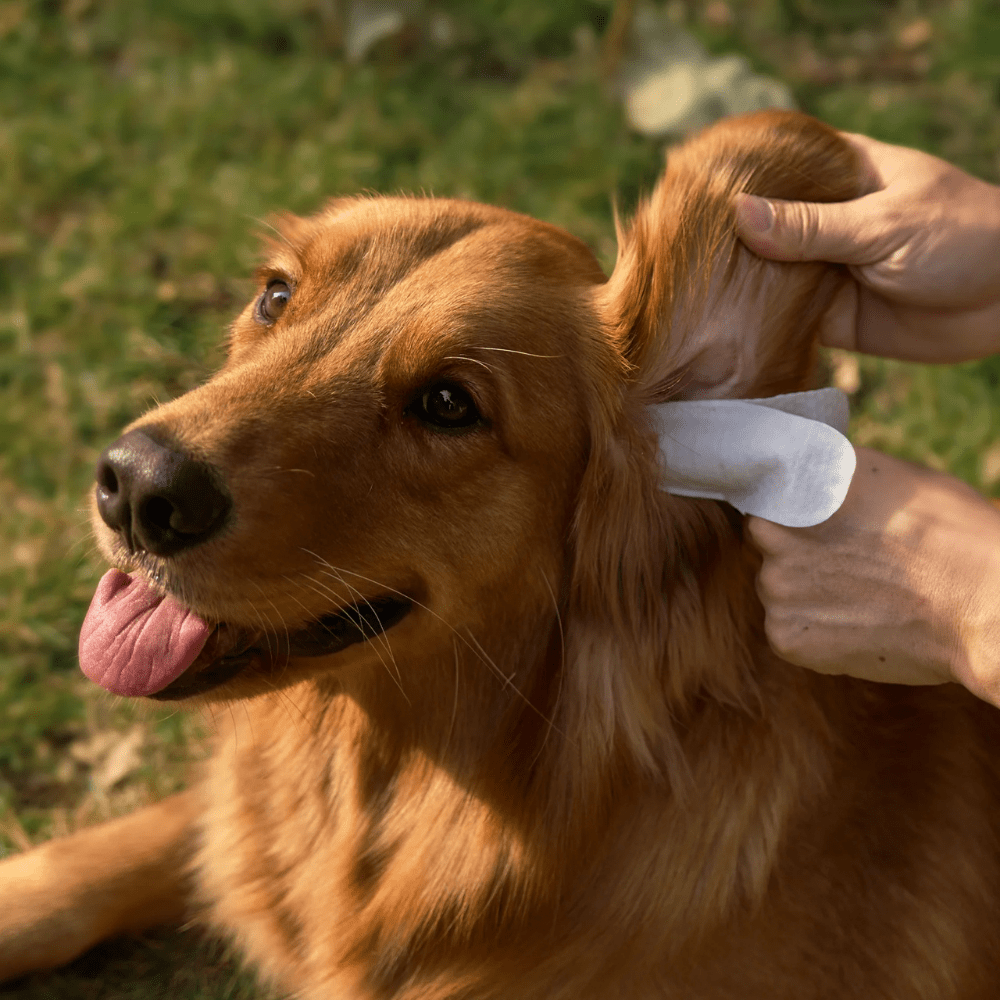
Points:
(694, 312)
(661, 602)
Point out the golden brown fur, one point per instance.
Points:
(575, 770)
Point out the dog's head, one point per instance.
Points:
(395, 443)
(428, 453)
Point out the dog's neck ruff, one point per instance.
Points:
(784, 458)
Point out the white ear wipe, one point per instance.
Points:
(784, 458)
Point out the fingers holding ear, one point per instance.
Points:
(839, 232)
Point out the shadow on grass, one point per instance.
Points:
(154, 966)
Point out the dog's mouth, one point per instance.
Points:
(230, 650)
(137, 641)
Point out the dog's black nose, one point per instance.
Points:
(160, 500)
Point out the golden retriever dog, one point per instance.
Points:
(508, 727)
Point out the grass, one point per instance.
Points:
(143, 143)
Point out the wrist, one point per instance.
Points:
(976, 663)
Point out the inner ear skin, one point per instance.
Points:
(694, 312)
(757, 333)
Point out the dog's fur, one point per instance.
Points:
(575, 769)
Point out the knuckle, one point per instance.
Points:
(796, 225)
(792, 639)
(809, 226)
(767, 583)
(781, 639)
(764, 534)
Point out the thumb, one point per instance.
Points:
(803, 230)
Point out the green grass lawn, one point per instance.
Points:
(143, 145)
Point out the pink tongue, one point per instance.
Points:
(133, 641)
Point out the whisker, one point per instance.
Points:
(324, 591)
(284, 624)
(507, 681)
(454, 708)
(508, 350)
(279, 468)
(274, 229)
(315, 584)
(562, 663)
(265, 624)
(283, 668)
(87, 547)
(286, 700)
(236, 729)
(383, 639)
(477, 649)
(253, 735)
(484, 659)
(475, 361)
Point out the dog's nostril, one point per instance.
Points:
(156, 513)
(106, 478)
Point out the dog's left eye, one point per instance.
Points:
(272, 303)
(447, 405)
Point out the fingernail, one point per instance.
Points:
(755, 213)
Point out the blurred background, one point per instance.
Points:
(143, 144)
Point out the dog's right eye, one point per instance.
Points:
(447, 406)
(272, 303)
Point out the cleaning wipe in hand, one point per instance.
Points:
(784, 458)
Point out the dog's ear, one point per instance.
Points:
(661, 608)
(695, 313)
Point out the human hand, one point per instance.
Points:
(924, 249)
(901, 585)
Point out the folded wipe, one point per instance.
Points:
(785, 458)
